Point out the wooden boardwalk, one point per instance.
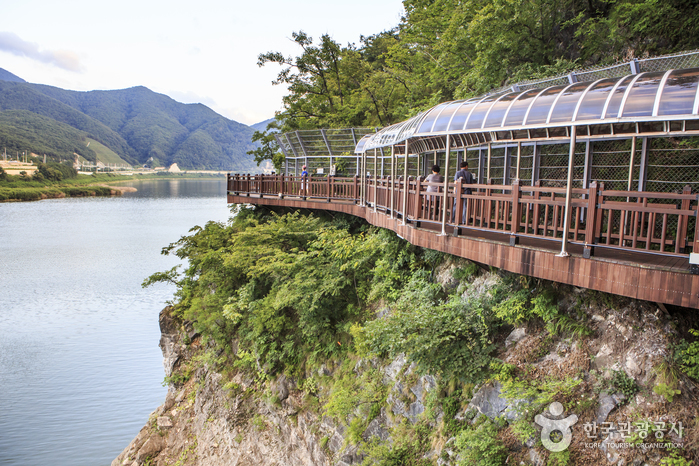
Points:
(630, 247)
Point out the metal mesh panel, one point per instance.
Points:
(593, 74)
(525, 86)
(526, 164)
(610, 164)
(683, 60)
(671, 62)
(553, 168)
(673, 164)
(497, 165)
(473, 159)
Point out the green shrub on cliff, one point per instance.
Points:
(288, 286)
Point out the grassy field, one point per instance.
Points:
(105, 154)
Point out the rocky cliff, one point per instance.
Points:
(605, 376)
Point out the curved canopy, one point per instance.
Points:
(664, 95)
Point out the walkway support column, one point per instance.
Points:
(519, 158)
(393, 181)
(490, 150)
(445, 195)
(405, 185)
(376, 181)
(363, 178)
(569, 191)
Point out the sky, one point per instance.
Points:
(199, 51)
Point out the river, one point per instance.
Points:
(80, 367)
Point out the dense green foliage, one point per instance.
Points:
(289, 287)
(451, 338)
(452, 49)
(137, 124)
(687, 355)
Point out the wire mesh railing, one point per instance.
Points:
(683, 60)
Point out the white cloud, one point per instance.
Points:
(12, 43)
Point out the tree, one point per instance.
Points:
(269, 149)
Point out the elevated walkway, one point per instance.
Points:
(624, 248)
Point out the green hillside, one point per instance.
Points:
(24, 96)
(22, 130)
(104, 153)
(154, 125)
(133, 124)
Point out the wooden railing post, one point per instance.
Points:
(683, 223)
(458, 204)
(599, 212)
(355, 189)
(247, 185)
(282, 188)
(590, 220)
(516, 213)
(418, 200)
(328, 187)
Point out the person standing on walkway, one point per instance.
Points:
(433, 198)
(304, 180)
(466, 178)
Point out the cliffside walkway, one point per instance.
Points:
(630, 243)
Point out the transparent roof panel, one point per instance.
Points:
(565, 107)
(476, 119)
(539, 111)
(443, 119)
(498, 110)
(616, 98)
(432, 115)
(593, 103)
(457, 123)
(632, 97)
(519, 108)
(642, 95)
(679, 92)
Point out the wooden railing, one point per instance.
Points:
(658, 223)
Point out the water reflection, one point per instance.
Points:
(80, 367)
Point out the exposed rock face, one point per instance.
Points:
(169, 340)
(210, 421)
(206, 425)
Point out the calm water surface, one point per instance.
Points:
(80, 367)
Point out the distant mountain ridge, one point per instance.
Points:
(7, 76)
(139, 125)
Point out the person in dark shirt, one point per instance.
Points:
(466, 178)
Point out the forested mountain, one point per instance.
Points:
(7, 76)
(136, 123)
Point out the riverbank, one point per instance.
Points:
(15, 189)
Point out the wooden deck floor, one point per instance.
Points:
(638, 275)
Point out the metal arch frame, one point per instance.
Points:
(485, 118)
(558, 97)
(659, 93)
(507, 113)
(582, 97)
(611, 95)
(531, 105)
(628, 90)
